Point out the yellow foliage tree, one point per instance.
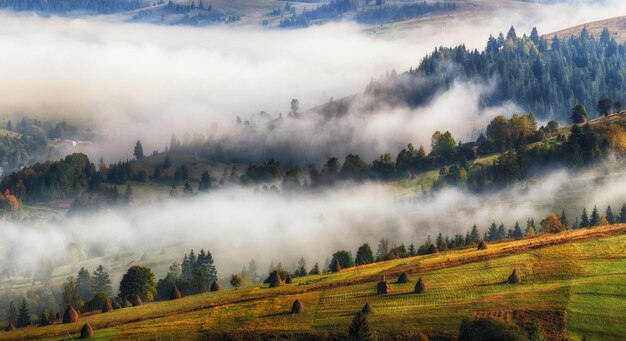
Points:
(9, 203)
(552, 224)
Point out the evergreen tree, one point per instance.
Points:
(23, 317)
(359, 328)
(138, 152)
(84, 284)
(12, 313)
(101, 282)
(610, 217)
(252, 269)
(440, 243)
(474, 234)
(315, 270)
(492, 232)
(382, 250)
(584, 219)
(501, 232)
(564, 219)
(621, 218)
(595, 217)
(517, 231)
(301, 268)
(412, 250)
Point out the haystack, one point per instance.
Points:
(10, 327)
(514, 278)
(126, 304)
(334, 265)
(404, 277)
(367, 308)
(107, 307)
(137, 301)
(70, 315)
(288, 280)
(432, 249)
(44, 320)
(175, 293)
(216, 286)
(382, 287)
(482, 245)
(275, 280)
(420, 287)
(297, 307)
(86, 331)
(116, 305)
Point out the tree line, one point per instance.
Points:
(394, 13)
(64, 7)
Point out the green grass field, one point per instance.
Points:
(574, 282)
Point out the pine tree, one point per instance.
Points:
(138, 152)
(610, 217)
(595, 217)
(23, 317)
(492, 233)
(359, 328)
(439, 241)
(12, 313)
(84, 284)
(301, 268)
(412, 250)
(101, 282)
(584, 218)
(621, 218)
(517, 231)
(501, 232)
(474, 235)
(71, 297)
(253, 271)
(315, 270)
(564, 219)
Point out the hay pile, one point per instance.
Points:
(216, 286)
(383, 287)
(297, 307)
(126, 304)
(86, 331)
(275, 280)
(288, 280)
(367, 308)
(107, 307)
(137, 301)
(482, 245)
(514, 278)
(432, 249)
(175, 293)
(70, 315)
(404, 277)
(420, 287)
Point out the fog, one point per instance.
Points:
(135, 81)
(237, 224)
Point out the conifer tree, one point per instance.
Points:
(474, 235)
(84, 284)
(564, 219)
(594, 220)
(23, 317)
(11, 315)
(621, 218)
(315, 270)
(359, 328)
(101, 282)
(610, 217)
(584, 219)
(517, 231)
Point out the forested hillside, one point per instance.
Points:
(546, 77)
(64, 6)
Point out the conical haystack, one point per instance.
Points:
(106, 306)
(514, 278)
(44, 320)
(382, 287)
(137, 301)
(70, 315)
(297, 307)
(86, 331)
(175, 293)
(288, 280)
(482, 245)
(432, 249)
(10, 327)
(367, 308)
(420, 287)
(116, 305)
(275, 280)
(126, 304)
(216, 286)
(404, 278)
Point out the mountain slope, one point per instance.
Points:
(570, 282)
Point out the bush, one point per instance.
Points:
(489, 329)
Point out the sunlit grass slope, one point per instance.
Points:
(574, 282)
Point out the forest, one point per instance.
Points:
(63, 6)
(394, 13)
(543, 76)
